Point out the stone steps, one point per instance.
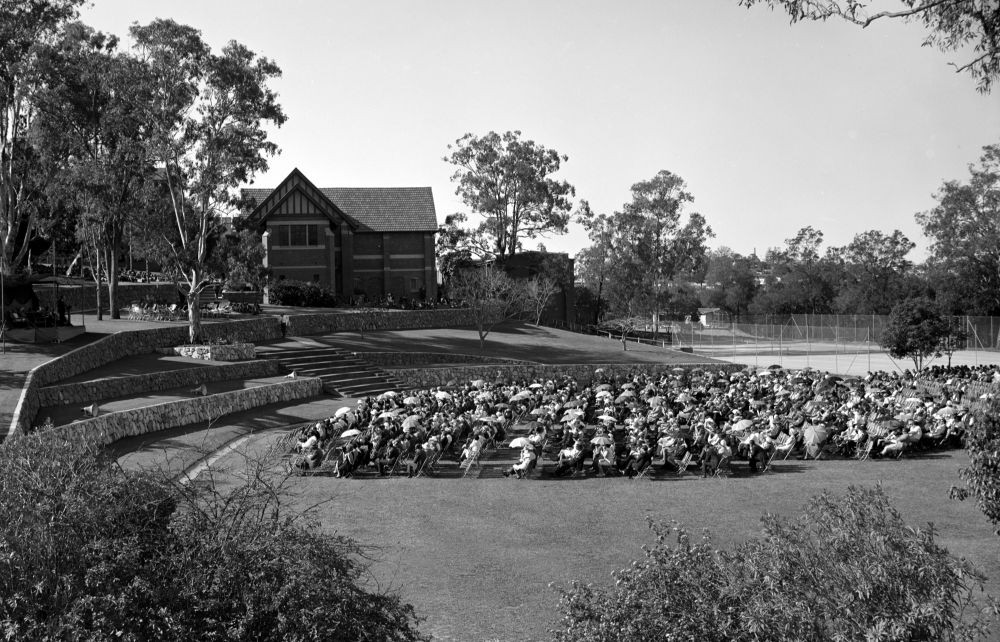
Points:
(341, 372)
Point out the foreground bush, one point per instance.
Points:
(301, 294)
(848, 568)
(90, 552)
(982, 475)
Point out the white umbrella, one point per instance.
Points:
(536, 386)
(628, 386)
(540, 411)
(655, 401)
(441, 394)
(521, 396)
(603, 387)
(342, 411)
(351, 432)
(604, 393)
(520, 442)
(411, 421)
(606, 418)
(602, 441)
(478, 383)
(388, 393)
(411, 401)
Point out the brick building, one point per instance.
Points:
(355, 240)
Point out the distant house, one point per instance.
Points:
(372, 241)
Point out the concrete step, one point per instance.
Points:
(341, 372)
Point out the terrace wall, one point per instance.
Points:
(109, 428)
(85, 392)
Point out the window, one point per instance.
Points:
(295, 235)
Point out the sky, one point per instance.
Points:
(772, 126)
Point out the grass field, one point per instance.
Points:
(477, 557)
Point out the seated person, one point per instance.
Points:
(571, 458)
(604, 460)
(639, 457)
(416, 460)
(526, 460)
(894, 444)
(348, 461)
(760, 446)
(387, 458)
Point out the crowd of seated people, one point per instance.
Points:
(140, 276)
(625, 426)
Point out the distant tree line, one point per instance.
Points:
(642, 260)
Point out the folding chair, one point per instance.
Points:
(427, 467)
(722, 469)
(865, 453)
(472, 460)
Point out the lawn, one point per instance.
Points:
(477, 557)
(512, 341)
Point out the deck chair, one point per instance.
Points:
(659, 459)
(531, 468)
(684, 463)
(472, 460)
(722, 470)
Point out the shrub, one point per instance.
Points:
(982, 475)
(301, 294)
(91, 552)
(848, 568)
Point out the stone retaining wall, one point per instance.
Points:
(109, 428)
(125, 344)
(403, 359)
(115, 387)
(132, 342)
(584, 373)
(322, 323)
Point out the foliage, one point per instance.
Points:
(242, 255)
(965, 239)
(91, 552)
(847, 568)
(731, 281)
(646, 245)
(915, 330)
(301, 294)
(92, 132)
(800, 280)
(26, 29)
(952, 25)
(874, 272)
(491, 295)
(455, 246)
(982, 475)
(509, 182)
(623, 326)
(209, 121)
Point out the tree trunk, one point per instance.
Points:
(72, 264)
(97, 281)
(194, 317)
(113, 306)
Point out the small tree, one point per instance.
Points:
(624, 327)
(916, 329)
(538, 291)
(848, 568)
(492, 297)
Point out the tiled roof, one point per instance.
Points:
(378, 209)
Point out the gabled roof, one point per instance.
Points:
(367, 209)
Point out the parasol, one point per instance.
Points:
(350, 432)
(441, 394)
(520, 442)
(603, 440)
(411, 401)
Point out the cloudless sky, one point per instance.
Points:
(773, 126)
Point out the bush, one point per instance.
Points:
(301, 294)
(982, 475)
(848, 568)
(91, 552)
